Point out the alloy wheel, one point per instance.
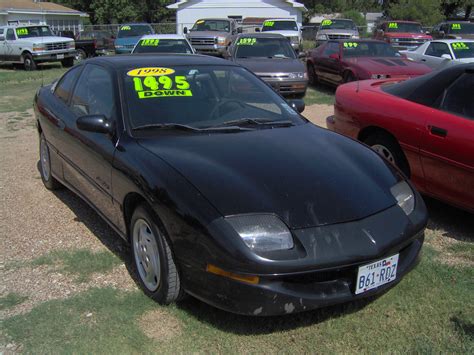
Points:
(147, 257)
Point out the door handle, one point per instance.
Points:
(437, 131)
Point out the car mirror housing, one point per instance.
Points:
(297, 105)
(446, 56)
(185, 30)
(2, 37)
(94, 123)
(302, 55)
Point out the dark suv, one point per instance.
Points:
(453, 30)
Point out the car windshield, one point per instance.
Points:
(405, 27)
(461, 28)
(211, 25)
(253, 47)
(279, 26)
(134, 31)
(463, 50)
(33, 31)
(337, 25)
(368, 49)
(200, 97)
(155, 45)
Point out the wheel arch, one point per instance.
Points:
(26, 51)
(131, 201)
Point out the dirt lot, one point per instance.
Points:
(65, 284)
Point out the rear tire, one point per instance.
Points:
(348, 77)
(312, 76)
(80, 55)
(67, 62)
(388, 147)
(152, 257)
(45, 166)
(28, 62)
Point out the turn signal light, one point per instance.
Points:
(243, 278)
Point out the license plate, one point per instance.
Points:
(376, 274)
(60, 56)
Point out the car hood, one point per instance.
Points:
(210, 34)
(307, 175)
(285, 33)
(338, 31)
(47, 39)
(407, 35)
(465, 60)
(388, 66)
(268, 65)
(461, 36)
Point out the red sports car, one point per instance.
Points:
(342, 61)
(425, 126)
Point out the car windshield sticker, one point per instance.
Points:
(149, 42)
(456, 26)
(350, 44)
(268, 23)
(326, 23)
(247, 41)
(21, 31)
(393, 25)
(125, 28)
(200, 21)
(159, 82)
(459, 46)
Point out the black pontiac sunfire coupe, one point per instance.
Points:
(223, 190)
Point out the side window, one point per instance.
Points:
(1, 33)
(437, 49)
(10, 35)
(458, 98)
(66, 83)
(94, 93)
(331, 48)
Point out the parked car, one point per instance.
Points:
(331, 29)
(222, 189)
(163, 44)
(128, 36)
(337, 62)
(286, 27)
(271, 57)
(401, 34)
(30, 45)
(453, 30)
(212, 35)
(85, 48)
(425, 126)
(443, 53)
(104, 40)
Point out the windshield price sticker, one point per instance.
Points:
(21, 31)
(351, 44)
(268, 23)
(151, 71)
(149, 42)
(326, 23)
(393, 25)
(161, 86)
(456, 26)
(247, 41)
(458, 46)
(125, 28)
(200, 21)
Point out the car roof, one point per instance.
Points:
(261, 35)
(135, 24)
(454, 21)
(400, 21)
(280, 19)
(215, 18)
(163, 36)
(453, 40)
(156, 60)
(357, 40)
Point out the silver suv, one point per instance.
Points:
(336, 29)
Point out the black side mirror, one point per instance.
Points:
(297, 105)
(239, 29)
(257, 29)
(185, 30)
(94, 123)
(302, 55)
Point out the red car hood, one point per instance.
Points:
(394, 67)
(407, 35)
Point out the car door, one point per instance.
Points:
(433, 54)
(88, 155)
(328, 68)
(447, 147)
(9, 52)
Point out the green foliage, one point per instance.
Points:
(428, 12)
(82, 263)
(11, 300)
(355, 16)
(322, 95)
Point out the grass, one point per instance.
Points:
(11, 299)
(19, 86)
(81, 263)
(429, 312)
(319, 95)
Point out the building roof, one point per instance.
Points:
(39, 7)
(293, 3)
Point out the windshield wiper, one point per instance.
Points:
(255, 122)
(183, 127)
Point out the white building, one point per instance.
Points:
(189, 11)
(38, 12)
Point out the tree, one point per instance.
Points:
(428, 12)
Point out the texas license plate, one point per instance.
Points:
(60, 56)
(376, 274)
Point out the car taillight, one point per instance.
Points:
(95, 44)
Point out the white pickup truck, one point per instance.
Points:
(33, 44)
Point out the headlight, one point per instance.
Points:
(321, 37)
(297, 76)
(295, 39)
(38, 47)
(118, 46)
(379, 76)
(71, 45)
(220, 40)
(404, 196)
(355, 36)
(262, 232)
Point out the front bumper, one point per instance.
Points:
(53, 56)
(214, 49)
(289, 88)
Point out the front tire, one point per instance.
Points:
(80, 55)
(388, 147)
(67, 62)
(152, 257)
(45, 166)
(28, 62)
